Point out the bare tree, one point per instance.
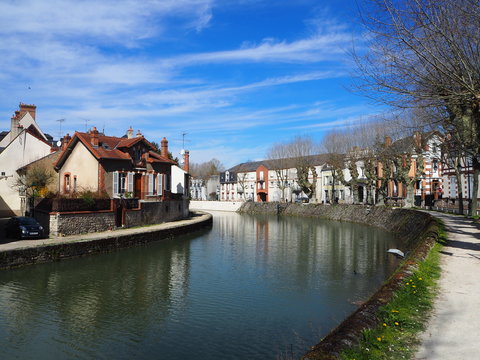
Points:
(301, 149)
(207, 169)
(426, 54)
(280, 154)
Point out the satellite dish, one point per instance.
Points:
(59, 143)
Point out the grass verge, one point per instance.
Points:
(404, 318)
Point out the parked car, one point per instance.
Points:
(23, 227)
(302, 200)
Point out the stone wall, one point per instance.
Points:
(81, 222)
(403, 222)
(157, 212)
(59, 249)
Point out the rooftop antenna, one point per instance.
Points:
(60, 131)
(183, 139)
(86, 123)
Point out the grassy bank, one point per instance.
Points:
(404, 318)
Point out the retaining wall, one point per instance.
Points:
(216, 205)
(63, 248)
(418, 229)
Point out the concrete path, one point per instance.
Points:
(453, 331)
(12, 244)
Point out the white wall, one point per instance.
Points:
(82, 164)
(215, 205)
(178, 180)
(23, 150)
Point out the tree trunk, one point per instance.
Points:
(458, 175)
(476, 171)
(410, 198)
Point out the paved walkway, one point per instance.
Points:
(11, 244)
(453, 331)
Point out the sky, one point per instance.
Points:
(234, 76)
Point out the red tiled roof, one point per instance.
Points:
(109, 148)
(157, 158)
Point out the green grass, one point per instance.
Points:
(404, 318)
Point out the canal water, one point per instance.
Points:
(252, 287)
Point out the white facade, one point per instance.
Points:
(24, 149)
(179, 177)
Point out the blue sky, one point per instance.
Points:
(236, 76)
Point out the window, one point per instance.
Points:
(75, 183)
(66, 183)
(453, 187)
(122, 181)
(119, 183)
(3, 173)
(435, 165)
(167, 182)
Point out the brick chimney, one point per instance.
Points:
(130, 133)
(164, 151)
(66, 139)
(186, 161)
(14, 125)
(24, 108)
(388, 141)
(94, 136)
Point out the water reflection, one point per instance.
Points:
(248, 288)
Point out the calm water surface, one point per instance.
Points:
(250, 288)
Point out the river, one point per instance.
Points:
(252, 287)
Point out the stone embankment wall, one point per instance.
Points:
(216, 205)
(403, 222)
(418, 229)
(63, 248)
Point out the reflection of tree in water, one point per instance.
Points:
(98, 294)
(300, 252)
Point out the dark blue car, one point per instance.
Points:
(22, 227)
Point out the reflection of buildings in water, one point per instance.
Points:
(262, 236)
(91, 296)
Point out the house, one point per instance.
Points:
(23, 144)
(415, 167)
(269, 180)
(120, 167)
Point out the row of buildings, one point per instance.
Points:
(416, 166)
(119, 167)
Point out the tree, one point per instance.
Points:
(425, 54)
(300, 149)
(279, 153)
(206, 169)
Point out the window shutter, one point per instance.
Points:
(130, 182)
(150, 184)
(160, 184)
(115, 183)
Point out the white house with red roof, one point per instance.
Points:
(23, 144)
(121, 167)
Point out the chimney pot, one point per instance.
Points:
(139, 133)
(130, 133)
